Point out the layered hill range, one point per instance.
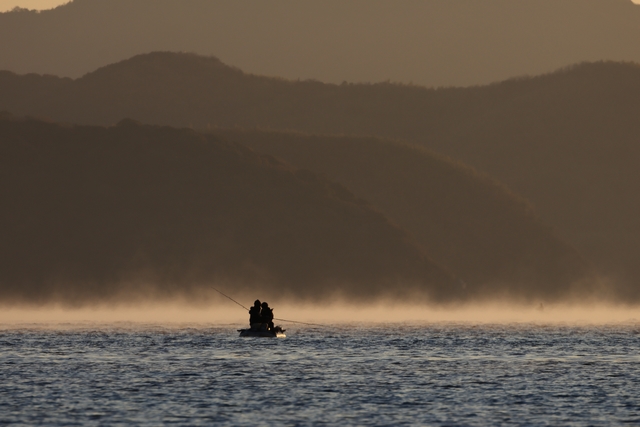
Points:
(95, 212)
(433, 43)
(566, 141)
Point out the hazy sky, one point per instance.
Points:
(48, 4)
(30, 4)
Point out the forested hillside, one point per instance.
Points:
(93, 213)
(567, 141)
(489, 236)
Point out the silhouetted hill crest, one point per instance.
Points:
(490, 236)
(426, 42)
(566, 141)
(99, 213)
(181, 65)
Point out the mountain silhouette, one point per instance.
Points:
(432, 43)
(96, 214)
(489, 236)
(566, 141)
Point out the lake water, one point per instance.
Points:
(396, 374)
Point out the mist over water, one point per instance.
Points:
(225, 314)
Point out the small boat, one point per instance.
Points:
(277, 332)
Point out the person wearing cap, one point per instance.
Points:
(255, 316)
(267, 316)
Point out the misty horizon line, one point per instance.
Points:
(300, 314)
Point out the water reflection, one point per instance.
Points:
(439, 374)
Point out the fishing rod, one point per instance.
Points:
(227, 296)
(275, 318)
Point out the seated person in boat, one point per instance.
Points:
(255, 317)
(267, 316)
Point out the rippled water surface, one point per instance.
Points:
(437, 374)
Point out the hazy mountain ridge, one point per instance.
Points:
(95, 213)
(567, 141)
(433, 43)
(489, 236)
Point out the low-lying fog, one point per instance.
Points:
(228, 314)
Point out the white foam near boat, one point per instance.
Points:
(278, 332)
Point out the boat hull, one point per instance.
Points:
(260, 333)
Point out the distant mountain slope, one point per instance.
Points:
(487, 235)
(567, 141)
(430, 42)
(92, 213)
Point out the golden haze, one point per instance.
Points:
(6, 5)
(225, 314)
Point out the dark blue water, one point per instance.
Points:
(438, 374)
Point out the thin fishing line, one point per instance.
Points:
(295, 321)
